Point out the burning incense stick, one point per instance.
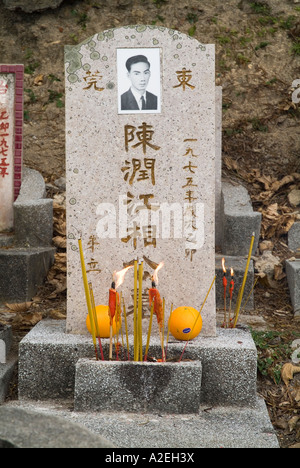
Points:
(231, 288)
(169, 329)
(197, 319)
(87, 296)
(238, 306)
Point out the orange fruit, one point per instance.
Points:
(103, 322)
(185, 323)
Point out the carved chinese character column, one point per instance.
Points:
(11, 129)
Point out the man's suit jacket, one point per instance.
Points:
(128, 101)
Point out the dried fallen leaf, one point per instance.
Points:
(23, 307)
(293, 423)
(288, 371)
(60, 242)
(38, 81)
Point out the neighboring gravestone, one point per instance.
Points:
(11, 130)
(30, 6)
(141, 172)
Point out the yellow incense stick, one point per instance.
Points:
(241, 292)
(87, 296)
(199, 315)
(126, 328)
(169, 329)
(135, 334)
(140, 311)
(163, 332)
(149, 331)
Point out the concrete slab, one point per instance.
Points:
(239, 220)
(22, 271)
(293, 277)
(213, 427)
(48, 358)
(172, 388)
(20, 428)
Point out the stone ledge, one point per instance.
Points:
(171, 388)
(48, 358)
(20, 428)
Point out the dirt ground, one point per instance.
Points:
(257, 62)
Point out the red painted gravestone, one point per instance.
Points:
(11, 138)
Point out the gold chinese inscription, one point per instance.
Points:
(93, 264)
(140, 170)
(92, 80)
(144, 137)
(190, 187)
(184, 77)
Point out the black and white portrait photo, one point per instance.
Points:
(139, 81)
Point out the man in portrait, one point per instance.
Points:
(137, 98)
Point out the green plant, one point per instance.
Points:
(296, 47)
(31, 95)
(54, 96)
(259, 126)
(262, 45)
(192, 30)
(273, 350)
(260, 8)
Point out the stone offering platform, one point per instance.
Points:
(57, 371)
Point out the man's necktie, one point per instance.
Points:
(143, 103)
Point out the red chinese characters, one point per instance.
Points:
(4, 134)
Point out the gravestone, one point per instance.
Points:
(11, 129)
(141, 175)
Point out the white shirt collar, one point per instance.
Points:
(138, 97)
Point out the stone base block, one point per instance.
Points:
(171, 388)
(48, 358)
(239, 266)
(293, 276)
(22, 271)
(239, 220)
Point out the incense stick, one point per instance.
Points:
(238, 306)
(169, 329)
(96, 319)
(140, 313)
(126, 328)
(135, 334)
(149, 332)
(87, 296)
(197, 318)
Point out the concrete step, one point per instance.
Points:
(212, 427)
(48, 358)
